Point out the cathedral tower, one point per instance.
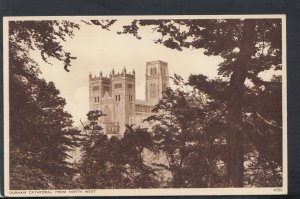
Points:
(98, 86)
(123, 94)
(115, 97)
(157, 79)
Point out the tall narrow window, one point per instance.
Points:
(152, 91)
(98, 99)
(95, 99)
(119, 98)
(116, 98)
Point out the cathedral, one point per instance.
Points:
(115, 97)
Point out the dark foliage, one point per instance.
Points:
(189, 130)
(248, 47)
(41, 132)
(114, 163)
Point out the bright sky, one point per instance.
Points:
(98, 49)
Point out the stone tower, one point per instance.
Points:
(98, 86)
(115, 97)
(123, 94)
(157, 79)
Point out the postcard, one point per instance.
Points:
(145, 105)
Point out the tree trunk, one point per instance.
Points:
(235, 164)
(177, 179)
(234, 137)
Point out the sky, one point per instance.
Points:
(102, 50)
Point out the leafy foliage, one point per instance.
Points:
(114, 163)
(189, 129)
(41, 132)
(248, 47)
(263, 119)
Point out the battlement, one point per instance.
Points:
(123, 75)
(156, 62)
(100, 78)
(113, 74)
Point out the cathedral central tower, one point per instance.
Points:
(157, 79)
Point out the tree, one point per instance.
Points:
(41, 132)
(263, 119)
(112, 162)
(41, 135)
(96, 164)
(189, 130)
(137, 143)
(248, 47)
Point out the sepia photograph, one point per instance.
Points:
(145, 105)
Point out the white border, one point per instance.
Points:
(143, 192)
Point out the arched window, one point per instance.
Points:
(152, 90)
